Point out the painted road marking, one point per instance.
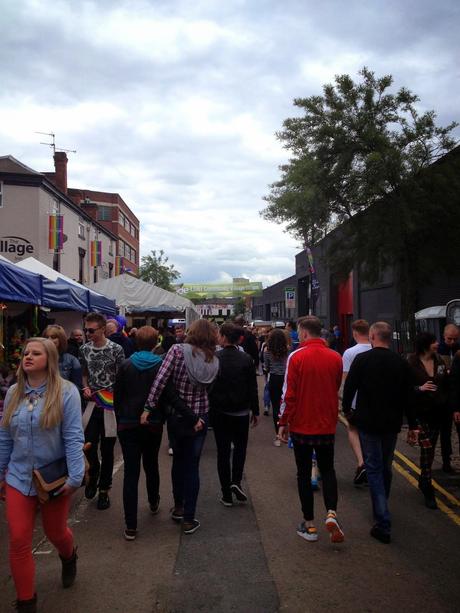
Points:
(450, 497)
(443, 507)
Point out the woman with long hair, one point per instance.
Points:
(141, 443)
(41, 424)
(430, 379)
(275, 361)
(69, 366)
(192, 366)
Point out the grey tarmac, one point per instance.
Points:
(248, 558)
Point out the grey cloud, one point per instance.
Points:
(195, 183)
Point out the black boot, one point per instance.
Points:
(69, 569)
(26, 606)
(428, 493)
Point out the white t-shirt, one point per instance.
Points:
(348, 357)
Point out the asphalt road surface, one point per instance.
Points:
(248, 558)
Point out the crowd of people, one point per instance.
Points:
(72, 398)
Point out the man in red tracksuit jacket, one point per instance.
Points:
(309, 414)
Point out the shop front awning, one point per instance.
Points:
(17, 285)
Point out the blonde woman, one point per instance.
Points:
(41, 424)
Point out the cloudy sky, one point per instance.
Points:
(174, 103)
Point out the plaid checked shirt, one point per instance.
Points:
(174, 366)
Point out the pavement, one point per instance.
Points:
(248, 558)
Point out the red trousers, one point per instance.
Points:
(20, 514)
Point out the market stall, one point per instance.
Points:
(139, 299)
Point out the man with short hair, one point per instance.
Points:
(75, 341)
(248, 341)
(234, 403)
(309, 413)
(101, 358)
(448, 347)
(114, 333)
(381, 382)
(360, 331)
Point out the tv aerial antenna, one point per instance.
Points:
(53, 143)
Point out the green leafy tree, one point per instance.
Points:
(155, 269)
(239, 307)
(363, 170)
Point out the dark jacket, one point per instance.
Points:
(130, 392)
(249, 344)
(73, 347)
(235, 387)
(454, 381)
(383, 382)
(123, 341)
(430, 407)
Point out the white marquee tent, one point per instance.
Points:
(135, 296)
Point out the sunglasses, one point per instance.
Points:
(90, 330)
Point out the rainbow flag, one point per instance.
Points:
(119, 265)
(56, 232)
(104, 399)
(96, 253)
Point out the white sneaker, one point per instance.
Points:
(309, 534)
(277, 442)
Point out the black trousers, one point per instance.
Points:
(230, 429)
(325, 458)
(139, 444)
(99, 471)
(446, 436)
(275, 388)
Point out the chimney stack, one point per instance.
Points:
(60, 167)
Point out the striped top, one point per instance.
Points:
(274, 366)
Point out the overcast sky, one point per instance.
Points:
(175, 104)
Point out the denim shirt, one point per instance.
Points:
(25, 445)
(70, 369)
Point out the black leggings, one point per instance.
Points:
(325, 458)
(275, 388)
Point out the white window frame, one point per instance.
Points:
(81, 230)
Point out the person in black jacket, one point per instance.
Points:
(431, 401)
(132, 386)
(234, 403)
(115, 334)
(248, 341)
(382, 381)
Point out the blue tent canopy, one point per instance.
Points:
(17, 285)
(60, 294)
(101, 304)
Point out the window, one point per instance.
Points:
(81, 229)
(104, 213)
(111, 248)
(1, 194)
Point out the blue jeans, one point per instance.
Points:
(378, 452)
(185, 472)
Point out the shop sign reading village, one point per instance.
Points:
(15, 246)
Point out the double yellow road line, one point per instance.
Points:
(452, 510)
